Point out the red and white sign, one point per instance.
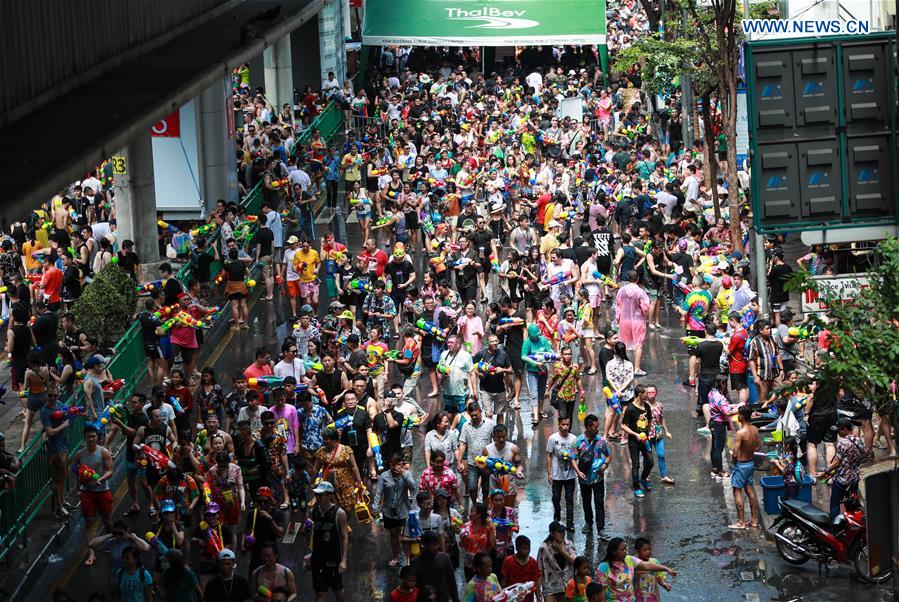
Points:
(167, 127)
(844, 288)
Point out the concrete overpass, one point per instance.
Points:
(86, 80)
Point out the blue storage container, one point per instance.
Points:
(773, 490)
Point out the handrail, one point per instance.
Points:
(19, 506)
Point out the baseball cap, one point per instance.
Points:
(167, 506)
(93, 361)
(554, 224)
(306, 309)
(336, 305)
(292, 240)
(323, 487)
(265, 492)
(556, 527)
(348, 315)
(227, 554)
(211, 508)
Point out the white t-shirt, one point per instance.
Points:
(298, 176)
(284, 369)
(535, 80)
(691, 188)
(292, 275)
(556, 445)
(168, 412)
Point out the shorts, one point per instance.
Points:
(819, 429)
(186, 353)
(293, 288)
(96, 502)
(453, 403)
(58, 467)
(326, 578)
(267, 263)
(517, 363)
(738, 381)
(165, 346)
(36, 401)
(153, 352)
(596, 300)
(742, 474)
(135, 470)
(407, 455)
(653, 294)
(276, 255)
(588, 333)
(492, 403)
(309, 289)
(394, 523)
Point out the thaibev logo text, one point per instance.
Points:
(491, 18)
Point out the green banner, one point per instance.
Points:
(484, 22)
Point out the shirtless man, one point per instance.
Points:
(746, 443)
(62, 220)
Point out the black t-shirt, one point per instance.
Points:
(636, 419)
(263, 528)
(134, 421)
(227, 537)
(604, 356)
(236, 590)
(236, 270)
(148, 325)
(480, 241)
(512, 338)
(390, 437)
(203, 271)
(129, 263)
(355, 436)
(44, 329)
(684, 261)
(604, 244)
(777, 277)
(266, 239)
(398, 272)
(493, 383)
(709, 354)
(825, 404)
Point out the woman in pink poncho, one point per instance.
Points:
(631, 309)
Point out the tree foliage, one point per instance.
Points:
(106, 308)
(864, 352)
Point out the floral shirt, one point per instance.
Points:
(719, 408)
(431, 482)
(448, 443)
(619, 372)
(482, 590)
(566, 380)
(588, 451)
(655, 423)
(505, 534)
(619, 579)
(792, 469)
(851, 452)
(311, 427)
(473, 541)
(277, 447)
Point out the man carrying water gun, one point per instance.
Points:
(493, 367)
(590, 463)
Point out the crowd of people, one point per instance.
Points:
(511, 260)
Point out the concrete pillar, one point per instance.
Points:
(332, 45)
(278, 73)
(218, 179)
(135, 199)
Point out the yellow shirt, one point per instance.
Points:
(353, 167)
(27, 249)
(306, 264)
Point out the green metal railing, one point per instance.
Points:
(19, 506)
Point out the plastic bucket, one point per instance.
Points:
(773, 490)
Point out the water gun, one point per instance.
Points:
(414, 533)
(801, 402)
(158, 458)
(166, 226)
(494, 262)
(203, 230)
(314, 366)
(207, 493)
(167, 311)
(375, 443)
(213, 541)
(512, 321)
(802, 332)
(148, 287)
(505, 523)
(428, 225)
(613, 400)
(457, 523)
(432, 329)
(113, 387)
(250, 283)
(485, 368)
(362, 201)
(169, 324)
(276, 184)
(4, 321)
(157, 543)
(104, 416)
(87, 473)
(32, 278)
(557, 279)
(68, 412)
(266, 381)
(378, 171)
(596, 466)
(645, 440)
(495, 465)
(220, 278)
(461, 262)
(411, 421)
(544, 356)
(515, 593)
(264, 592)
(582, 410)
(362, 287)
(342, 422)
(201, 437)
(382, 221)
(605, 279)
(186, 319)
(443, 369)
(393, 354)
(691, 341)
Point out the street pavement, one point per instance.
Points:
(687, 522)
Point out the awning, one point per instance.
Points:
(484, 22)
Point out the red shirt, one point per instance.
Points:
(514, 572)
(397, 596)
(379, 256)
(51, 284)
(542, 202)
(254, 371)
(736, 361)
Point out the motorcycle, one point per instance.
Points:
(804, 531)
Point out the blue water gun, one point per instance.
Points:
(342, 422)
(613, 400)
